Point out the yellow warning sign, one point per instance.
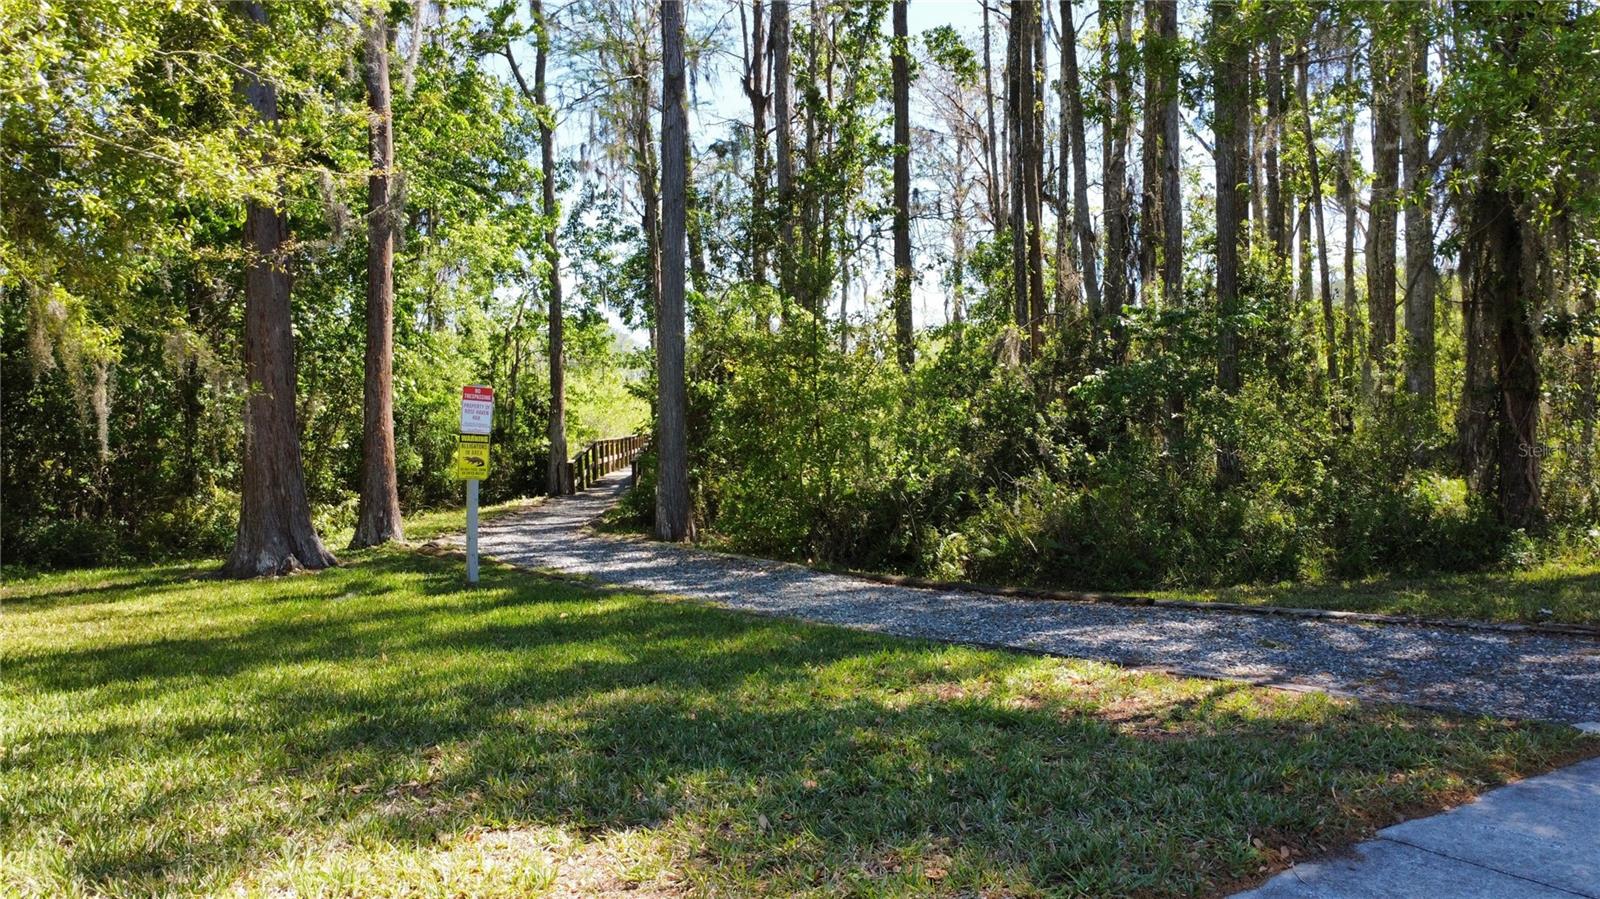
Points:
(472, 457)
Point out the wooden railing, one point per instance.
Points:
(602, 457)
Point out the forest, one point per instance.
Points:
(1101, 295)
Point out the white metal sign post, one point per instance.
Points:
(472, 460)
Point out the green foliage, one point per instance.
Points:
(130, 157)
(1064, 472)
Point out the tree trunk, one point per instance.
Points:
(1171, 158)
(1036, 200)
(755, 89)
(785, 151)
(997, 199)
(1150, 152)
(1303, 289)
(1475, 411)
(1347, 202)
(189, 387)
(378, 509)
(1080, 165)
(1033, 165)
(558, 477)
(1161, 251)
(1330, 344)
(1069, 276)
(275, 531)
(1420, 275)
(1114, 149)
(1232, 126)
(649, 194)
(1381, 230)
(1162, 211)
(905, 340)
(672, 483)
(1510, 285)
(1277, 213)
(1015, 128)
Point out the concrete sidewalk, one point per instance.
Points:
(1537, 838)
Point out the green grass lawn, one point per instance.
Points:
(429, 524)
(377, 729)
(1553, 591)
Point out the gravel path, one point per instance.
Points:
(1512, 675)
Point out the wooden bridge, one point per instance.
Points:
(602, 457)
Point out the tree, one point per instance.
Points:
(997, 199)
(755, 90)
(558, 476)
(1277, 214)
(672, 483)
(1330, 345)
(784, 114)
(1031, 43)
(1069, 277)
(1072, 91)
(1231, 129)
(1116, 93)
(1346, 190)
(275, 532)
(1418, 192)
(1381, 227)
(904, 339)
(378, 510)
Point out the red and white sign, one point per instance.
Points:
(477, 409)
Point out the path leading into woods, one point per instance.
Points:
(1505, 674)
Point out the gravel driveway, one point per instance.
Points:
(1512, 675)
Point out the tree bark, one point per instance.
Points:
(1475, 411)
(1161, 251)
(378, 509)
(1069, 276)
(1420, 275)
(1150, 152)
(672, 483)
(1171, 159)
(1232, 127)
(189, 387)
(785, 151)
(1347, 202)
(1015, 130)
(275, 531)
(1303, 289)
(997, 199)
(1509, 294)
(905, 340)
(1040, 303)
(558, 477)
(1381, 229)
(755, 89)
(1114, 151)
(1277, 213)
(1080, 166)
(1032, 34)
(1330, 343)
(649, 193)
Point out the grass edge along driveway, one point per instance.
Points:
(379, 730)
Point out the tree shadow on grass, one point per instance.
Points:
(59, 589)
(789, 754)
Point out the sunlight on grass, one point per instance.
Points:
(377, 729)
